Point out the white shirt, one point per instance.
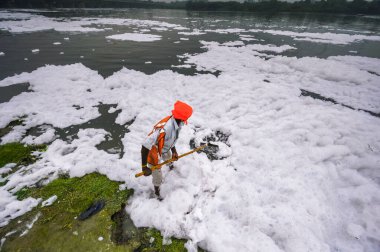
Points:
(171, 129)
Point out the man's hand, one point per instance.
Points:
(174, 155)
(146, 171)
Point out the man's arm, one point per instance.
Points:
(144, 161)
(145, 148)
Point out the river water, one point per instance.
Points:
(106, 56)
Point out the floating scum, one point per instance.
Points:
(297, 174)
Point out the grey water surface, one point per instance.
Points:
(108, 56)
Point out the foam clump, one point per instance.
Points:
(139, 37)
(49, 201)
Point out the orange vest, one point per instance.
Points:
(156, 151)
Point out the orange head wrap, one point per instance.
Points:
(182, 111)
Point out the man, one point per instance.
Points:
(160, 143)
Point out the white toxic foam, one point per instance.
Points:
(297, 174)
(35, 22)
(49, 201)
(328, 37)
(139, 37)
(195, 32)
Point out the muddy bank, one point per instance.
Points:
(57, 226)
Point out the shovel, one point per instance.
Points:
(171, 160)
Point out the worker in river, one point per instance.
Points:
(160, 143)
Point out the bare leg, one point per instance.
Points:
(157, 181)
(157, 191)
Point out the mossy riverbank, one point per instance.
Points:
(57, 227)
(18, 155)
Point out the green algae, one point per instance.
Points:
(23, 193)
(176, 245)
(18, 153)
(56, 227)
(2, 183)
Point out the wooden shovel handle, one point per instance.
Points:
(171, 160)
